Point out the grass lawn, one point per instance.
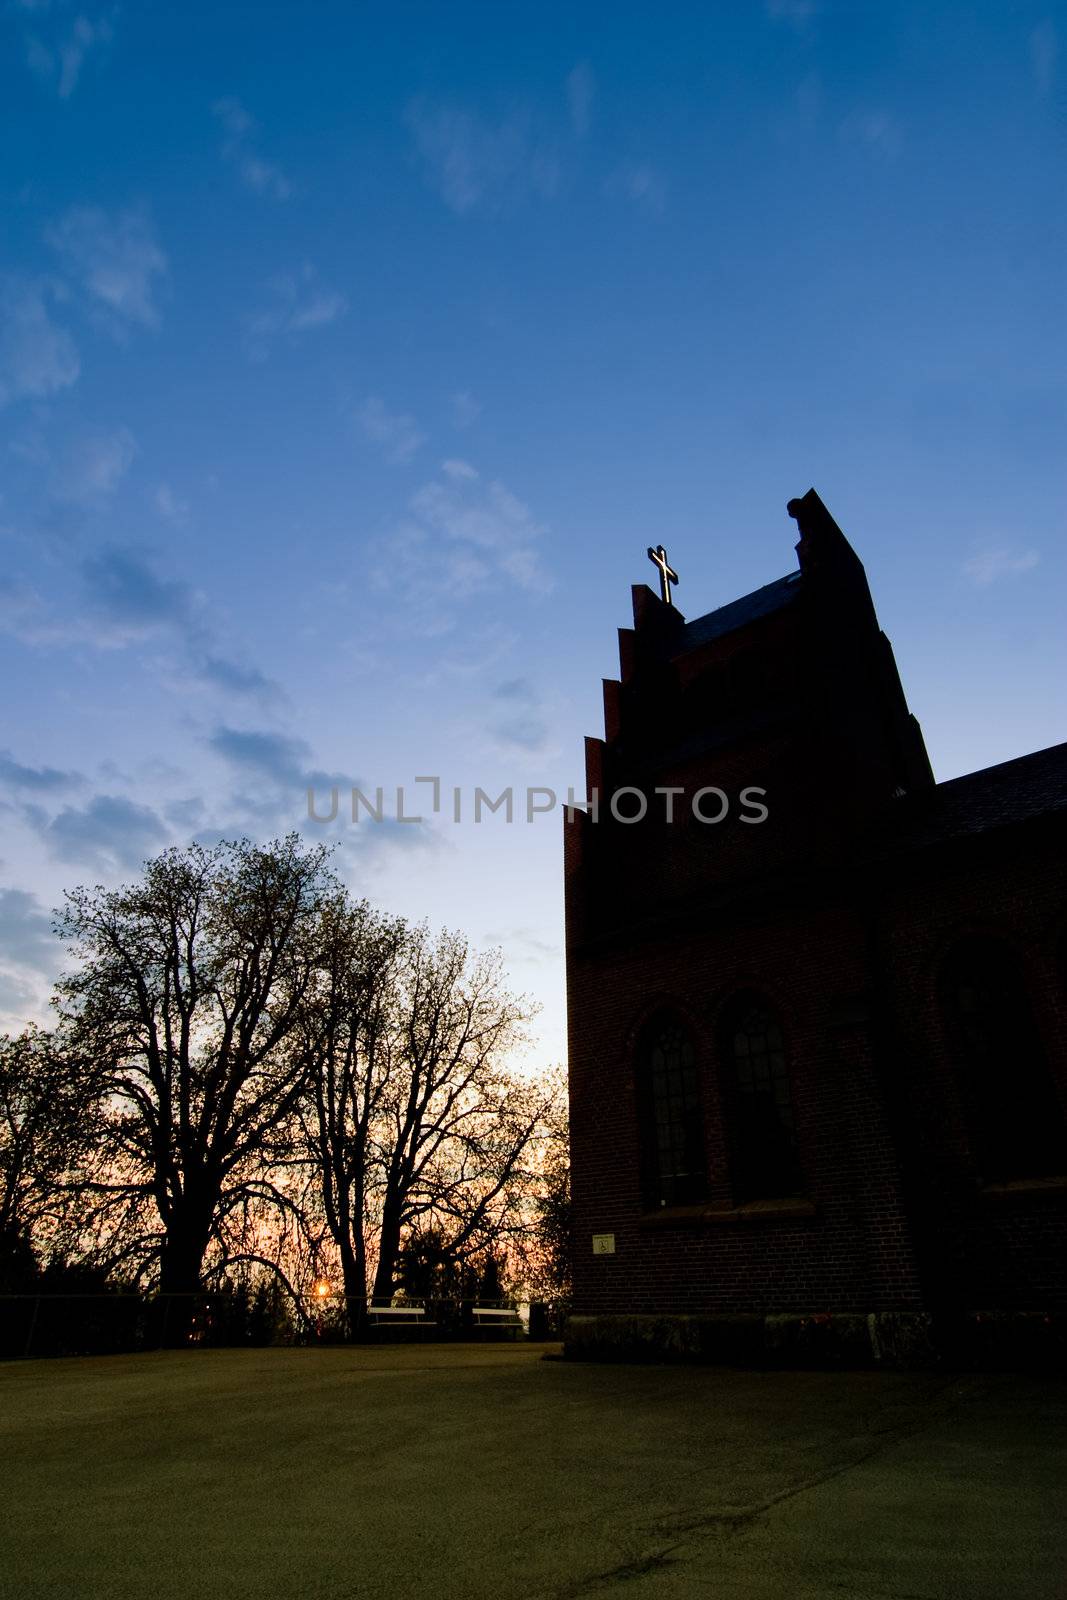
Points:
(470, 1471)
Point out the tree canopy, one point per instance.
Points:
(253, 1069)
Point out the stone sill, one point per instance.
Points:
(902, 1340)
(1024, 1187)
(783, 1210)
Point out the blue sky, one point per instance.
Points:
(350, 357)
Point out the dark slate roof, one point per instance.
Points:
(760, 603)
(997, 797)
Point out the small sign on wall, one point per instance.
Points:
(603, 1244)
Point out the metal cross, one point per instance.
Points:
(667, 574)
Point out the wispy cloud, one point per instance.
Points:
(518, 689)
(581, 91)
(298, 303)
(26, 935)
(236, 679)
(37, 356)
(93, 465)
(875, 129)
(525, 946)
(463, 536)
(487, 521)
(989, 566)
(472, 161)
(1044, 50)
(239, 147)
(205, 667)
(274, 771)
(170, 507)
(263, 753)
(121, 599)
(115, 259)
(125, 599)
(465, 409)
(185, 815)
(808, 99)
(524, 732)
(524, 727)
(14, 776)
(110, 833)
(25, 615)
(128, 600)
(396, 434)
(57, 44)
(640, 183)
(30, 957)
(797, 13)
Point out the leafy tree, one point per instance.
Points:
(543, 1254)
(251, 1070)
(48, 1120)
(19, 1267)
(554, 1231)
(429, 1268)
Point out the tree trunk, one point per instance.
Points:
(388, 1250)
(354, 1271)
(179, 1276)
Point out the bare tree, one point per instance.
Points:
(348, 1040)
(456, 1124)
(188, 994)
(411, 1116)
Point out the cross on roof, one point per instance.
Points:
(667, 574)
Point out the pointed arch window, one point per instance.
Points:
(1013, 1113)
(762, 1133)
(674, 1163)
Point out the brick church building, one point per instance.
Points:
(817, 1001)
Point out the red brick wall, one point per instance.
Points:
(853, 1253)
(901, 1219)
(980, 1245)
(843, 932)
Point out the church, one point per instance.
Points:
(817, 1001)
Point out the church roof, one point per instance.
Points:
(760, 603)
(997, 797)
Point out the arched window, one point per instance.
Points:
(674, 1165)
(1009, 1100)
(762, 1134)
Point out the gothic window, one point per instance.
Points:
(672, 1120)
(762, 1134)
(1010, 1103)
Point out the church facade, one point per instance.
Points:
(817, 1001)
